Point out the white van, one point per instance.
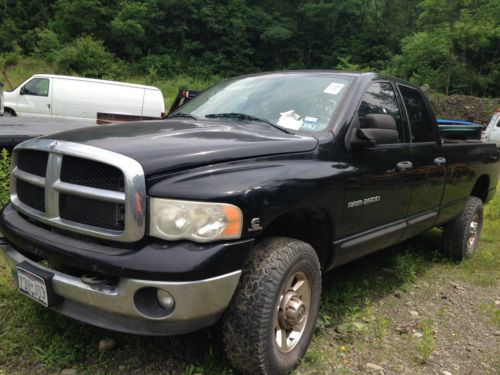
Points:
(83, 99)
(492, 132)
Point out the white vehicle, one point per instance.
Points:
(1, 98)
(492, 132)
(64, 97)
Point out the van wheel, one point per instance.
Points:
(8, 113)
(270, 321)
(460, 237)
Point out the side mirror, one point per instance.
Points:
(376, 129)
(22, 91)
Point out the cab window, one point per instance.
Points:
(380, 98)
(418, 116)
(37, 87)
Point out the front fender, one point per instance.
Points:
(263, 188)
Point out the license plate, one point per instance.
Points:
(33, 286)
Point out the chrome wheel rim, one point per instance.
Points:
(292, 312)
(473, 231)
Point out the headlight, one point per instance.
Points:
(197, 221)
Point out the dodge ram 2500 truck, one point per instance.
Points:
(232, 207)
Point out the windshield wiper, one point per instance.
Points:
(181, 114)
(244, 116)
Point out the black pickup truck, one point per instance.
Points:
(232, 207)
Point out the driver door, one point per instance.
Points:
(35, 98)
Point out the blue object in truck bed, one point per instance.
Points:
(459, 129)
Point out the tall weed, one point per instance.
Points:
(4, 176)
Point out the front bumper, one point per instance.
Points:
(200, 277)
(198, 304)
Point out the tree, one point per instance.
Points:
(85, 56)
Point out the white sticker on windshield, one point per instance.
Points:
(334, 88)
(290, 120)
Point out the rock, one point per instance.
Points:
(106, 344)
(398, 294)
(403, 330)
(456, 286)
(409, 303)
(425, 87)
(358, 326)
(496, 333)
(368, 319)
(418, 334)
(69, 371)
(414, 313)
(444, 372)
(374, 367)
(343, 329)
(497, 303)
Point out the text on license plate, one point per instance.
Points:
(32, 285)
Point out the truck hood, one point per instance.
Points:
(167, 145)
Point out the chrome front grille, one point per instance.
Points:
(79, 188)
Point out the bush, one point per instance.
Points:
(4, 177)
(85, 56)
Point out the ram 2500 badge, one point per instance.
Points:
(232, 207)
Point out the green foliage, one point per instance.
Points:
(451, 45)
(427, 343)
(87, 56)
(128, 29)
(47, 45)
(4, 177)
(455, 49)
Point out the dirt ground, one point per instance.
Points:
(463, 107)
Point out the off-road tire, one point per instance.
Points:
(457, 233)
(248, 334)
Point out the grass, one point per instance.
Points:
(427, 344)
(38, 341)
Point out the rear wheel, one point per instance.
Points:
(461, 236)
(270, 322)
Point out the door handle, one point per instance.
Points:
(48, 106)
(439, 161)
(404, 165)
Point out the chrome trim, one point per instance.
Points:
(28, 177)
(193, 299)
(134, 196)
(89, 192)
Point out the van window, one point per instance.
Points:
(420, 122)
(380, 98)
(37, 86)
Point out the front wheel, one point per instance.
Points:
(270, 322)
(461, 236)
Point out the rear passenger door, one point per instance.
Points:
(427, 178)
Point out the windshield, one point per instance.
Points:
(296, 101)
